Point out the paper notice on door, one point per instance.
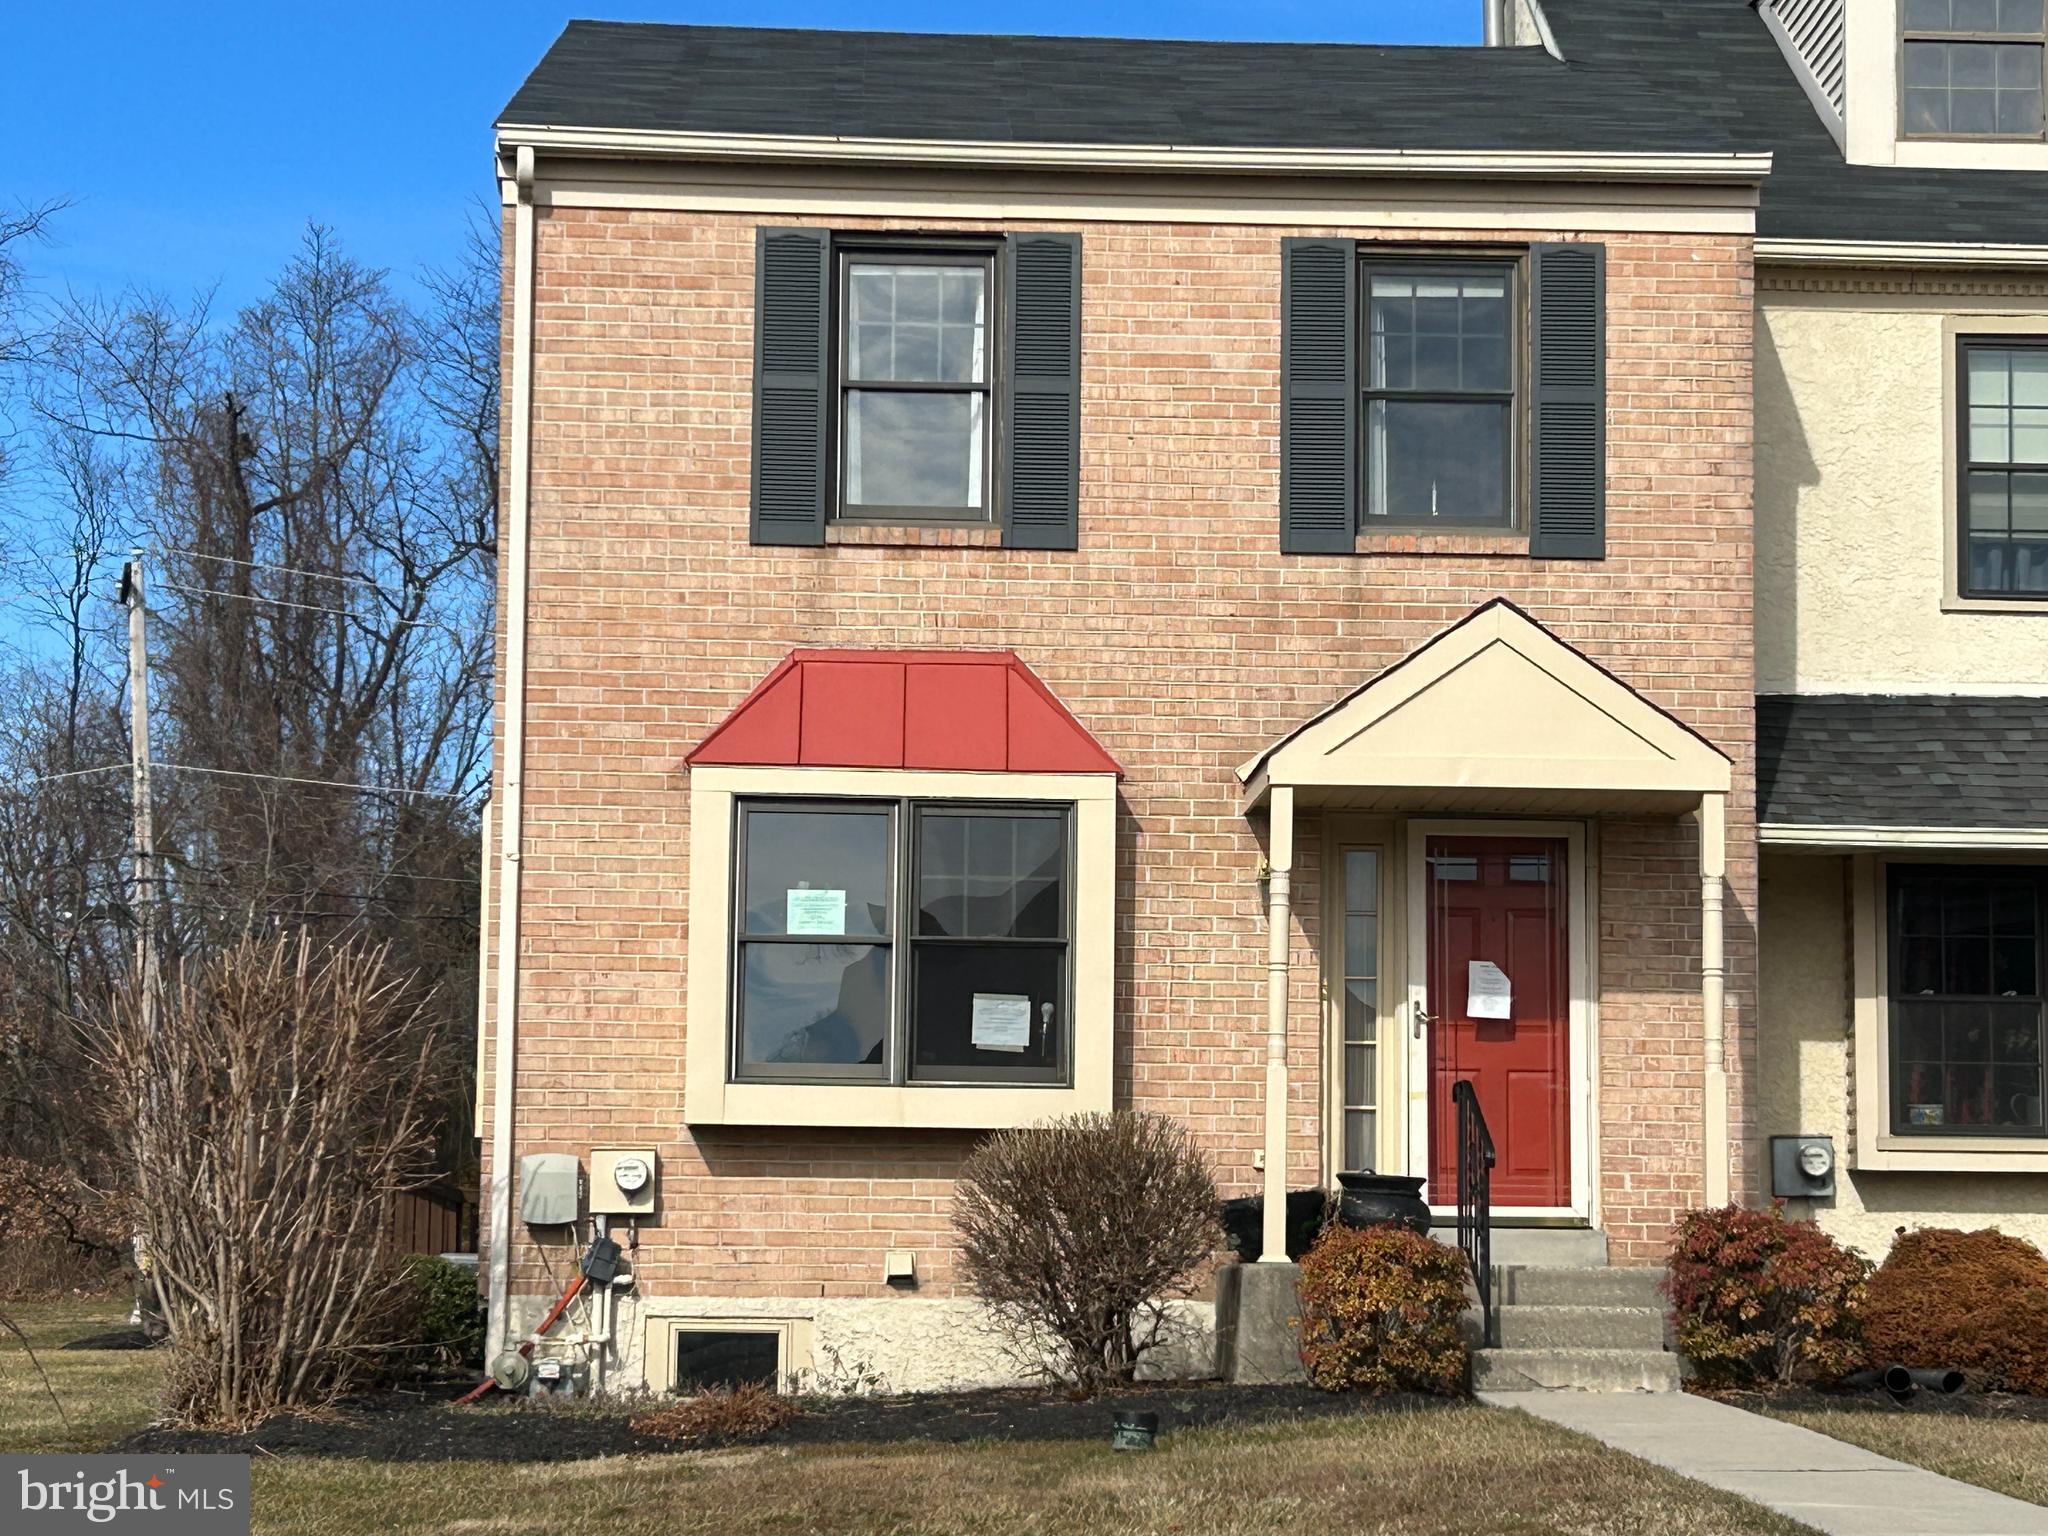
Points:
(819, 913)
(1487, 993)
(1002, 1022)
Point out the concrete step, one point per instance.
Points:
(1545, 1286)
(1574, 1370)
(1531, 1327)
(1550, 1247)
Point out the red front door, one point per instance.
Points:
(1499, 1001)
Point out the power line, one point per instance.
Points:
(267, 565)
(74, 773)
(460, 632)
(281, 778)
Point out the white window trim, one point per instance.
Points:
(1872, 1145)
(709, 1095)
(1954, 331)
(792, 1343)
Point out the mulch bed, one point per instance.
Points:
(396, 1426)
(1957, 1405)
(120, 1338)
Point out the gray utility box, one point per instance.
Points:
(550, 1190)
(1803, 1167)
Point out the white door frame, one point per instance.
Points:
(1579, 1052)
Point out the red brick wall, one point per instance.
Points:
(1178, 634)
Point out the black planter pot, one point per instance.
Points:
(1382, 1200)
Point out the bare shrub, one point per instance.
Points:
(1077, 1234)
(271, 1107)
(719, 1416)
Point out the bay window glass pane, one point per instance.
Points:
(823, 1005)
(987, 1009)
(1973, 15)
(916, 323)
(1927, 15)
(1438, 462)
(919, 449)
(2019, 15)
(822, 873)
(991, 876)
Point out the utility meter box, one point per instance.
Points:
(622, 1181)
(1803, 1167)
(550, 1189)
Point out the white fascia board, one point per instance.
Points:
(1483, 164)
(1889, 253)
(1795, 835)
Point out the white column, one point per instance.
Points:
(1713, 815)
(1279, 890)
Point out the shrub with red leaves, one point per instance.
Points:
(1380, 1310)
(1976, 1302)
(1757, 1299)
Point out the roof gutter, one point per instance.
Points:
(1187, 159)
(1898, 253)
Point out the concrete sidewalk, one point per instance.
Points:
(1828, 1484)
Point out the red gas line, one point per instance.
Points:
(561, 1306)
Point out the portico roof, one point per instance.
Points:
(1495, 714)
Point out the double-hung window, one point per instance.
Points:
(916, 357)
(904, 942)
(2005, 469)
(1972, 69)
(1966, 1000)
(1439, 380)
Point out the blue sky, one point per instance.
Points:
(195, 140)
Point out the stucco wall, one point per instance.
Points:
(1854, 507)
(1805, 1064)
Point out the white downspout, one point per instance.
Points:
(519, 403)
(1491, 10)
(1713, 992)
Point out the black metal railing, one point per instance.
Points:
(1475, 1199)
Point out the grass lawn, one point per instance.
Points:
(2006, 1455)
(1458, 1472)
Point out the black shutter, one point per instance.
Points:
(1042, 408)
(792, 346)
(1568, 406)
(1318, 396)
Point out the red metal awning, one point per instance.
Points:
(971, 711)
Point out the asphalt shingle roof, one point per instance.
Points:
(1699, 76)
(1889, 760)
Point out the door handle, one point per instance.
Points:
(1422, 1020)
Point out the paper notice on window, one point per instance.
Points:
(1002, 1022)
(820, 913)
(1487, 993)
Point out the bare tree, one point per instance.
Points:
(278, 1101)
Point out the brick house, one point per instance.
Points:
(1210, 578)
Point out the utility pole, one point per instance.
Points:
(144, 852)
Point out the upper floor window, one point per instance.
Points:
(914, 394)
(1440, 412)
(1972, 69)
(2005, 470)
(1966, 1000)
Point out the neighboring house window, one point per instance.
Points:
(1966, 1000)
(2005, 470)
(1439, 380)
(1972, 69)
(902, 942)
(1361, 1007)
(914, 374)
